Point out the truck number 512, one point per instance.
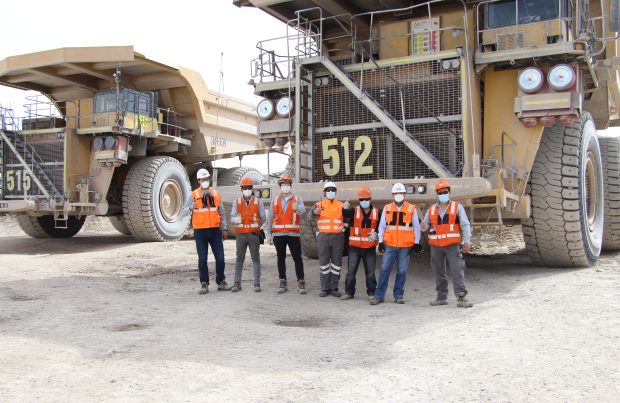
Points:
(332, 154)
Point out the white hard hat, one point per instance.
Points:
(329, 184)
(398, 188)
(202, 173)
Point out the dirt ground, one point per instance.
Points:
(101, 317)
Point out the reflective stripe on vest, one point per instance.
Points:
(330, 219)
(399, 225)
(285, 221)
(359, 235)
(250, 216)
(448, 231)
(206, 217)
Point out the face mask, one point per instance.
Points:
(365, 203)
(205, 185)
(247, 192)
(330, 195)
(399, 198)
(444, 198)
(285, 189)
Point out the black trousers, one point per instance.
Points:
(294, 245)
(369, 257)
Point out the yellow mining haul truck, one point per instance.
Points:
(503, 98)
(114, 134)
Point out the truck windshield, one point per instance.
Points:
(131, 101)
(503, 13)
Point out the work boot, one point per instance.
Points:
(346, 297)
(301, 286)
(463, 303)
(204, 289)
(323, 293)
(223, 286)
(236, 287)
(282, 288)
(438, 302)
(399, 300)
(376, 301)
(335, 293)
(256, 287)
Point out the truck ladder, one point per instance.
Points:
(15, 142)
(395, 126)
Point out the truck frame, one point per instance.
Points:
(502, 98)
(114, 134)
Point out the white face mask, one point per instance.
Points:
(205, 184)
(247, 192)
(286, 189)
(330, 195)
(399, 198)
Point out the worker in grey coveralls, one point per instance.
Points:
(449, 231)
(330, 238)
(248, 215)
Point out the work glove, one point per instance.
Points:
(373, 237)
(381, 247)
(346, 205)
(270, 239)
(317, 210)
(416, 250)
(235, 220)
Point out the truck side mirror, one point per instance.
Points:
(614, 15)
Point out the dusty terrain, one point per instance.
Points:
(100, 317)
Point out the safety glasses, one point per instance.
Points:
(330, 189)
(247, 187)
(443, 192)
(367, 199)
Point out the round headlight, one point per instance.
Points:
(265, 109)
(317, 82)
(98, 143)
(325, 80)
(530, 79)
(561, 77)
(284, 106)
(445, 64)
(455, 63)
(421, 189)
(110, 142)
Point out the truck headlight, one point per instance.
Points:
(561, 77)
(265, 109)
(110, 142)
(530, 79)
(284, 106)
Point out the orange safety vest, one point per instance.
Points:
(330, 219)
(446, 231)
(250, 216)
(206, 216)
(399, 225)
(285, 220)
(359, 235)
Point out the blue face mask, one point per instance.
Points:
(364, 203)
(330, 195)
(444, 198)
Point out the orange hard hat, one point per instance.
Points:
(285, 179)
(364, 193)
(441, 184)
(246, 182)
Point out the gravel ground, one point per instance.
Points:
(100, 317)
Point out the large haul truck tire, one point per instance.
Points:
(308, 239)
(610, 154)
(45, 227)
(566, 189)
(154, 193)
(232, 177)
(119, 224)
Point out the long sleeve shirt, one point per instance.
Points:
(464, 223)
(415, 228)
(261, 210)
(187, 209)
(301, 211)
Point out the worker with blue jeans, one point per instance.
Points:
(399, 234)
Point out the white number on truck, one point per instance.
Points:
(332, 155)
(17, 180)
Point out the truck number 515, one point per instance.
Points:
(17, 179)
(331, 154)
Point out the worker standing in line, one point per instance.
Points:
(209, 223)
(284, 228)
(363, 244)
(399, 234)
(449, 227)
(248, 214)
(330, 239)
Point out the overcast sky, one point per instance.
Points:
(185, 33)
